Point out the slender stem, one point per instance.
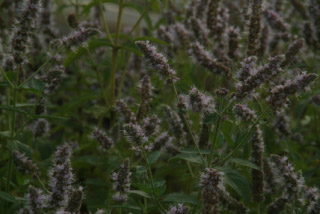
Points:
(151, 180)
(244, 140)
(188, 127)
(259, 208)
(42, 185)
(6, 77)
(215, 137)
(105, 25)
(115, 50)
(37, 71)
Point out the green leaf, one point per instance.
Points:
(211, 118)
(13, 109)
(194, 158)
(245, 163)
(151, 39)
(50, 117)
(180, 198)
(153, 157)
(37, 85)
(236, 181)
(139, 192)
(7, 197)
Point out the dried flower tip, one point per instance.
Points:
(145, 88)
(75, 200)
(244, 113)
(210, 179)
(233, 34)
(125, 112)
(247, 67)
(212, 16)
(24, 164)
(41, 127)
(275, 21)
(175, 123)
(79, 37)
(254, 28)
(179, 209)
(182, 103)
(292, 52)
(222, 92)
(200, 102)
(36, 200)
(121, 182)
(135, 134)
(257, 177)
(316, 100)
(309, 34)
(264, 42)
(104, 141)
(72, 21)
(204, 135)
(279, 94)
(204, 58)
(157, 60)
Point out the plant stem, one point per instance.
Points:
(188, 127)
(244, 140)
(105, 25)
(151, 180)
(215, 137)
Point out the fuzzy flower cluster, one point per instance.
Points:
(135, 134)
(247, 68)
(36, 200)
(161, 141)
(175, 123)
(151, 125)
(279, 94)
(79, 37)
(200, 31)
(275, 21)
(254, 28)
(204, 135)
(179, 209)
(243, 112)
(209, 182)
(104, 141)
(183, 35)
(125, 112)
(231, 203)
(286, 171)
(263, 74)
(212, 16)
(75, 200)
(278, 205)
(24, 25)
(121, 182)
(199, 102)
(157, 60)
(293, 50)
(281, 123)
(53, 77)
(233, 34)
(271, 182)
(41, 127)
(205, 59)
(24, 164)
(145, 87)
(60, 177)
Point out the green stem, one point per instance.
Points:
(188, 127)
(215, 137)
(244, 140)
(105, 25)
(152, 182)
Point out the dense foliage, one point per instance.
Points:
(199, 106)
